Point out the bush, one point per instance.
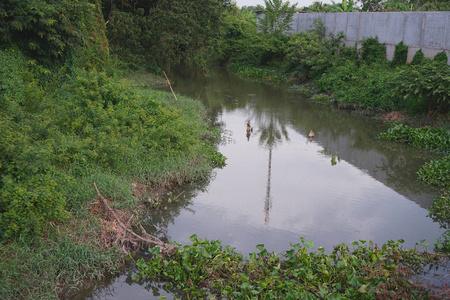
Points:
(441, 57)
(27, 205)
(367, 85)
(90, 125)
(418, 58)
(309, 55)
(400, 54)
(372, 50)
(427, 83)
(51, 31)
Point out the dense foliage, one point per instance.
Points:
(52, 140)
(52, 31)
(163, 33)
(380, 6)
(208, 269)
(67, 121)
(278, 16)
(433, 139)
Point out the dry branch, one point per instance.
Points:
(127, 235)
(168, 82)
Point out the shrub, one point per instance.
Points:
(309, 56)
(400, 54)
(372, 50)
(26, 205)
(441, 57)
(427, 83)
(367, 85)
(418, 58)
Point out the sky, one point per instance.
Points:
(300, 3)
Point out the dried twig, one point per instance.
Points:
(168, 82)
(133, 238)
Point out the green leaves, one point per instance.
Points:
(277, 18)
(363, 273)
(432, 139)
(165, 33)
(50, 31)
(425, 82)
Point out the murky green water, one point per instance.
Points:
(280, 185)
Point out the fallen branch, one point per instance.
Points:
(132, 237)
(168, 82)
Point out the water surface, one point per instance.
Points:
(280, 185)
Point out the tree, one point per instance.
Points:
(53, 31)
(277, 18)
(165, 32)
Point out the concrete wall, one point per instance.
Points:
(429, 31)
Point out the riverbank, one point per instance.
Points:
(134, 143)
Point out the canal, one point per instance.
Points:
(280, 184)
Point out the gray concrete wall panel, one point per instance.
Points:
(395, 28)
(429, 31)
(352, 31)
(365, 26)
(330, 23)
(390, 49)
(413, 29)
(434, 30)
(447, 33)
(379, 26)
(341, 22)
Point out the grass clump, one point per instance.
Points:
(208, 269)
(55, 266)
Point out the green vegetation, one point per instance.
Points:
(69, 118)
(380, 6)
(432, 139)
(163, 33)
(207, 269)
(54, 144)
(278, 16)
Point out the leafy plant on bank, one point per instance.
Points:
(433, 139)
(427, 84)
(400, 54)
(207, 269)
(51, 32)
(372, 50)
(53, 142)
(310, 55)
(418, 57)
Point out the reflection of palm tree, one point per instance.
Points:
(268, 201)
(272, 133)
